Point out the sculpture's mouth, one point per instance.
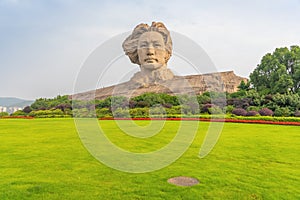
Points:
(151, 60)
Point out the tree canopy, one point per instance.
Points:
(278, 72)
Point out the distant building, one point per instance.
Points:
(3, 109)
(10, 110)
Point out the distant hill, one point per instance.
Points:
(14, 102)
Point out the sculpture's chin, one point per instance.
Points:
(152, 66)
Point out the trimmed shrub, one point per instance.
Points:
(175, 110)
(282, 112)
(3, 114)
(103, 112)
(139, 112)
(252, 113)
(239, 112)
(157, 110)
(266, 112)
(297, 113)
(228, 109)
(132, 104)
(251, 108)
(19, 113)
(203, 99)
(205, 107)
(83, 112)
(239, 103)
(167, 105)
(215, 110)
(142, 104)
(186, 110)
(122, 113)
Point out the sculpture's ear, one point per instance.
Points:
(167, 57)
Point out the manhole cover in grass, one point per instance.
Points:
(183, 181)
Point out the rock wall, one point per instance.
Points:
(192, 84)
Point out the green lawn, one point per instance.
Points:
(45, 159)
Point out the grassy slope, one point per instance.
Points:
(44, 159)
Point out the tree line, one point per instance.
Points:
(245, 102)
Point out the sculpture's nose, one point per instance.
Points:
(150, 51)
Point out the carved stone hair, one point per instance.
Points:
(130, 45)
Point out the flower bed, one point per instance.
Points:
(16, 117)
(211, 120)
(252, 121)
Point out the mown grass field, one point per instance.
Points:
(45, 159)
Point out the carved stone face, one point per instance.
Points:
(151, 50)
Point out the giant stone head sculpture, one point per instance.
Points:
(150, 47)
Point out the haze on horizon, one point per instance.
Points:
(45, 43)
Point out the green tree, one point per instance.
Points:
(44, 103)
(242, 89)
(19, 113)
(244, 86)
(3, 114)
(278, 72)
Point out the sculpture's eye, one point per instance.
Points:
(143, 45)
(157, 45)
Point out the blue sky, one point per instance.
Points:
(44, 43)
